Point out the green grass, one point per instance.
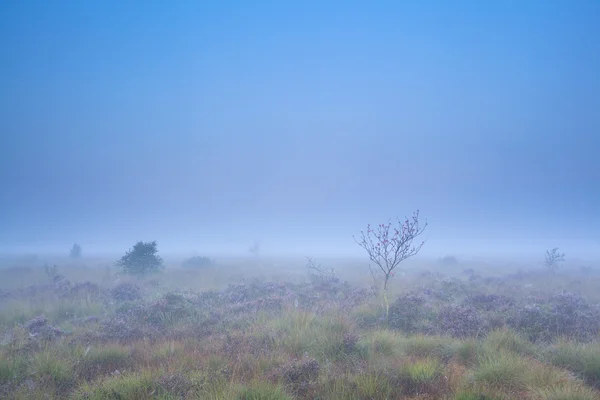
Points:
(582, 359)
(468, 395)
(505, 339)
(503, 370)
(299, 332)
(104, 360)
(51, 368)
(567, 392)
(429, 346)
(381, 342)
(262, 391)
(134, 386)
(12, 368)
(420, 372)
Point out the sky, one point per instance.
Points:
(209, 125)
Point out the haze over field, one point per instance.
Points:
(208, 126)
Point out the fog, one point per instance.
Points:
(209, 127)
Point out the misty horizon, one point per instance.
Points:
(207, 127)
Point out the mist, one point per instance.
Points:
(209, 127)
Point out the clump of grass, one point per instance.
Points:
(301, 332)
(420, 372)
(262, 391)
(135, 386)
(168, 351)
(368, 315)
(381, 342)
(469, 395)
(572, 391)
(582, 359)
(367, 385)
(51, 369)
(503, 370)
(372, 385)
(506, 339)
(12, 368)
(466, 352)
(104, 360)
(543, 376)
(429, 346)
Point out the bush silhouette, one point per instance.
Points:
(142, 259)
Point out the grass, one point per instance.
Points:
(262, 391)
(381, 342)
(135, 386)
(52, 369)
(253, 355)
(503, 370)
(581, 359)
(12, 368)
(566, 392)
(104, 360)
(508, 340)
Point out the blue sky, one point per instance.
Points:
(206, 125)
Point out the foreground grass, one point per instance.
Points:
(291, 353)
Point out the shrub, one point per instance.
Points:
(142, 259)
(460, 321)
(407, 313)
(126, 292)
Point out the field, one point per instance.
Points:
(274, 330)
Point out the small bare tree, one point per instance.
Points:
(388, 246)
(553, 259)
(319, 270)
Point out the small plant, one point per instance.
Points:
(387, 247)
(75, 251)
(553, 260)
(143, 258)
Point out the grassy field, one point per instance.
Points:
(268, 329)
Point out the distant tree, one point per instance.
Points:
(387, 247)
(197, 262)
(255, 248)
(75, 251)
(142, 259)
(553, 260)
(448, 260)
